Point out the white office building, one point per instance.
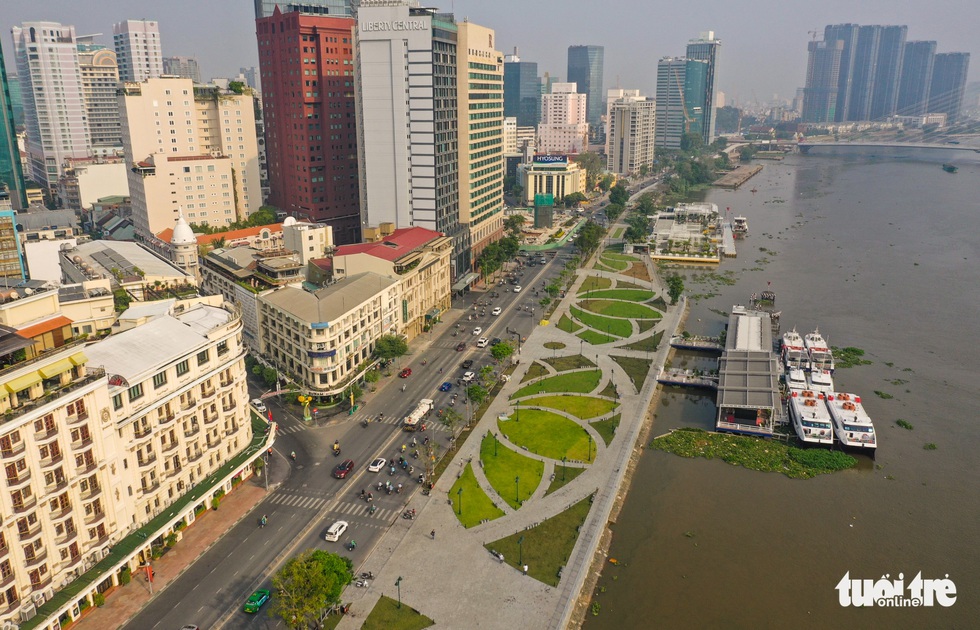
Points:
(138, 49)
(631, 134)
(564, 127)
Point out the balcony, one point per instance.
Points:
(7, 580)
(214, 442)
(149, 487)
(29, 532)
(208, 394)
(228, 406)
(26, 505)
(194, 457)
(227, 382)
(14, 450)
(46, 435)
(210, 419)
(192, 431)
(62, 513)
(81, 443)
(50, 395)
(39, 557)
(87, 466)
(58, 484)
(78, 417)
(173, 472)
(139, 435)
(147, 461)
(164, 420)
(232, 429)
(94, 490)
(51, 461)
(20, 479)
(188, 404)
(169, 447)
(96, 517)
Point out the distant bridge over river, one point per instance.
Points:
(919, 149)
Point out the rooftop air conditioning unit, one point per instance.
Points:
(27, 611)
(38, 599)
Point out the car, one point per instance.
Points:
(405, 373)
(517, 289)
(461, 346)
(496, 311)
(377, 465)
(477, 330)
(445, 387)
(259, 405)
(343, 469)
(482, 342)
(190, 626)
(467, 364)
(468, 377)
(496, 341)
(256, 600)
(336, 530)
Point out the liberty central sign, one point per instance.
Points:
(395, 25)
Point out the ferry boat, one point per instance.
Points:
(852, 424)
(796, 379)
(820, 381)
(740, 226)
(811, 417)
(820, 356)
(793, 351)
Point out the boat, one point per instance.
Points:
(740, 226)
(852, 424)
(820, 381)
(821, 357)
(811, 417)
(949, 168)
(796, 379)
(793, 351)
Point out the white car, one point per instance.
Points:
(477, 330)
(482, 342)
(468, 377)
(496, 311)
(336, 531)
(377, 464)
(517, 289)
(259, 405)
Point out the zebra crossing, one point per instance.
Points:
(432, 422)
(301, 501)
(360, 509)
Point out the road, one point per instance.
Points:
(307, 499)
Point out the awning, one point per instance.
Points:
(465, 281)
(433, 313)
(21, 383)
(54, 369)
(78, 358)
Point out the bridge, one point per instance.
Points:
(859, 147)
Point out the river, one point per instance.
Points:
(882, 254)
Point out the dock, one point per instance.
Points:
(728, 241)
(697, 342)
(687, 378)
(734, 179)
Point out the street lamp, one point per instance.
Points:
(517, 414)
(520, 551)
(596, 362)
(563, 469)
(459, 501)
(517, 486)
(398, 585)
(580, 342)
(495, 442)
(589, 435)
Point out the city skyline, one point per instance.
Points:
(750, 71)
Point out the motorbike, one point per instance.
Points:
(367, 575)
(365, 422)
(362, 584)
(391, 471)
(398, 489)
(372, 509)
(351, 546)
(455, 333)
(409, 514)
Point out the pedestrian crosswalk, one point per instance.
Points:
(363, 509)
(301, 501)
(290, 428)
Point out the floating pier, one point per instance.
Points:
(697, 342)
(734, 179)
(687, 378)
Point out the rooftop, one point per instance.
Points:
(229, 237)
(399, 243)
(331, 302)
(104, 256)
(47, 219)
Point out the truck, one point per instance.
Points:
(413, 421)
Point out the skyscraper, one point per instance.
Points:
(522, 91)
(706, 48)
(265, 8)
(563, 127)
(186, 67)
(585, 70)
(680, 100)
(631, 137)
(870, 70)
(865, 63)
(888, 72)
(847, 34)
(11, 176)
(54, 102)
(948, 84)
(100, 80)
(823, 67)
(913, 91)
(311, 141)
(138, 49)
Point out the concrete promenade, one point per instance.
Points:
(453, 579)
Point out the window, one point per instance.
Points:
(136, 392)
(203, 357)
(222, 348)
(183, 367)
(117, 402)
(159, 380)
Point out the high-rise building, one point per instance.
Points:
(480, 100)
(192, 148)
(863, 75)
(706, 48)
(870, 70)
(888, 72)
(563, 127)
(308, 112)
(265, 8)
(405, 90)
(100, 80)
(522, 91)
(820, 96)
(138, 49)
(251, 75)
(613, 95)
(11, 260)
(11, 174)
(847, 34)
(185, 67)
(913, 91)
(585, 70)
(948, 84)
(632, 129)
(680, 100)
(54, 102)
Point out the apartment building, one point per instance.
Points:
(138, 49)
(564, 127)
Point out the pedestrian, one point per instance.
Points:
(433, 534)
(525, 569)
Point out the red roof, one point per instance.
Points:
(397, 244)
(323, 263)
(46, 326)
(234, 235)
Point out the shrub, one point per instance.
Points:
(98, 599)
(171, 539)
(828, 460)
(125, 576)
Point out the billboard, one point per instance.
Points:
(551, 159)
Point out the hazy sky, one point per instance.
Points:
(763, 41)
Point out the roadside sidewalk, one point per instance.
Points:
(125, 601)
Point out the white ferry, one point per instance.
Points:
(794, 352)
(811, 417)
(740, 227)
(852, 424)
(820, 356)
(820, 381)
(795, 379)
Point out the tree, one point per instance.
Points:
(613, 211)
(353, 391)
(501, 351)
(589, 237)
(675, 287)
(573, 199)
(309, 584)
(646, 203)
(452, 419)
(389, 347)
(638, 230)
(238, 87)
(644, 169)
(692, 143)
(618, 194)
(476, 393)
(593, 165)
(747, 152)
(487, 376)
(514, 223)
(607, 182)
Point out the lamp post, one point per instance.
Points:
(563, 469)
(589, 435)
(398, 585)
(517, 414)
(459, 501)
(517, 487)
(495, 441)
(520, 551)
(580, 342)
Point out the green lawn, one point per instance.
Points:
(646, 324)
(632, 295)
(536, 370)
(607, 428)
(600, 267)
(566, 324)
(659, 303)
(582, 382)
(647, 344)
(503, 467)
(477, 506)
(609, 390)
(636, 369)
(618, 232)
(618, 308)
(546, 547)
(617, 327)
(574, 362)
(563, 475)
(594, 283)
(386, 615)
(583, 407)
(547, 434)
(622, 284)
(554, 345)
(612, 256)
(595, 338)
(618, 265)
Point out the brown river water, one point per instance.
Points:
(882, 253)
